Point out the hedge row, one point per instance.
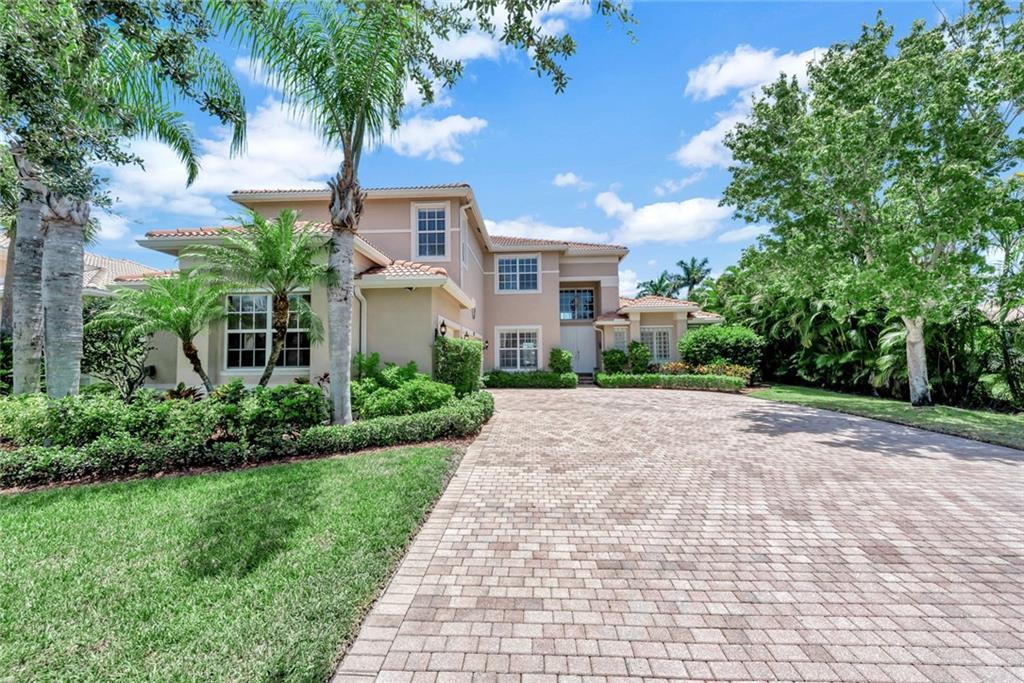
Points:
(202, 443)
(701, 382)
(530, 380)
(462, 417)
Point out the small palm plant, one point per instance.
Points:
(280, 255)
(184, 304)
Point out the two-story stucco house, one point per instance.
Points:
(426, 265)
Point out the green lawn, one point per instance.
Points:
(260, 574)
(982, 425)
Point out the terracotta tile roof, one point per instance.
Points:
(301, 191)
(401, 268)
(651, 301)
(511, 241)
(613, 316)
(214, 230)
(140, 277)
(99, 271)
(704, 315)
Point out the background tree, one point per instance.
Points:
(8, 209)
(345, 65)
(878, 177)
(113, 352)
(693, 272)
(665, 284)
(279, 255)
(184, 304)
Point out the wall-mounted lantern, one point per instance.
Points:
(443, 329)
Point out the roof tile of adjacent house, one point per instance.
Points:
(321, 190)
(511, 241)
(652, 301)
(100, 271)
(139, 277)
(401, 268)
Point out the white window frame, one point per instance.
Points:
(625, 338)
(497, 273)
(269, 331)
(414, 222)
(518, 328)
(667, 329)
(593, 303)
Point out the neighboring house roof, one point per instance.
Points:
(100, 271)
(401, 268)
(142, 277)
(509, 242)
(323, 191)
(656, 304)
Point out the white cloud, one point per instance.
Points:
(526, 226)
(420, 136)
(469, 46)
(744, 69)
(570, 179)
(413, 98)
(652, 263)
(705, 149)
(628, 282)
(669, 222)
(111, 226)
(743, 234)
(671, 185)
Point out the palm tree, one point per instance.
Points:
(694, 273)
(280, 255)
(184, 304)
(666, 285)
(345, 70)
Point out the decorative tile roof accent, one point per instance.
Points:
(141, 277)
(511, 241)
(401, 268)
(302, 191)
(652, 301)
(613, 316)
(214, 230)
(704, 316)
(99, 271)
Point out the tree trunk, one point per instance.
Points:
(1016, 391)
(26, 277)
(917, 363)
(7, 305)
(346, 206)
(192, 354)
(64, 221)
(279, 324)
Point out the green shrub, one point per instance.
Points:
(560, 361)
(458, 362)
(79, 420)
(394, 375)
(732, 344)
(651, 381)
(6, 364)
(365, 366)
(724, 369)
(24, 420)
(270, 413)
(499, 379)
(416, 396)
(615, 360)
(462, 417)
(639, 358)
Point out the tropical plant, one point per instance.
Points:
(111, 352)
(694, 272)
(666, 284)
(280, 255)
(183, 304)
(345, 65)
(879, 176)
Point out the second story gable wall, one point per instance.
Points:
(601, 272)
(523, 309)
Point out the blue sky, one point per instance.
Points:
(629, 153)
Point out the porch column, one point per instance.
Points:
(680, 332)
(634, 328)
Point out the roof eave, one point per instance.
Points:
(246, 198)
(442, 281)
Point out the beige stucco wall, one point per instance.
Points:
(472, 276)
(399, 325)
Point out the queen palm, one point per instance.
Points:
(694, 272)
(666, 284)
(282, 256)
(184, 305)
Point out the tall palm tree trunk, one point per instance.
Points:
(192, 354)
(26, 277)
(346, 206)
(64, 222)
(279, 324)
(7, 305)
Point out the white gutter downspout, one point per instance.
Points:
(362, 319)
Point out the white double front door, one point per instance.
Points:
(581, 341)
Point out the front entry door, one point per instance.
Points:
(581, 341)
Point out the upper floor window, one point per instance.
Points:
(518, 273)
(576, 304)
(431, 233)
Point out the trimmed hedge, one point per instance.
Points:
(722, 343)
(499, 379)
(560, 361)
(416, 396)
(462, 417)
(724, 369)
(458, 362)
(615, 361)
(699, 382)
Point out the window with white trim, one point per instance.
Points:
(431, 232)
(249, 334)
(576, 304)
(518, 349)
(659, 341)
(518, 273)
(619, 338)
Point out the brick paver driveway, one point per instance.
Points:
(654, 535)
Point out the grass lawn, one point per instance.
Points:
(982, 425)
(260, 574)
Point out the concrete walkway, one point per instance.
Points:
(607, 535)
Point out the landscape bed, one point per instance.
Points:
(656, 381)
(259, 574)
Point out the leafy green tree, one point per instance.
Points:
(694, 272)
(282, 256)
(878, 176)
(113, 351)
(665, 284)
(184, 305)
(345, 65)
